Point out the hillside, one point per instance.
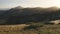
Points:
(19, 15)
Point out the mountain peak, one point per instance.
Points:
(18, 7)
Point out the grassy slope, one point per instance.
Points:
(30, 29)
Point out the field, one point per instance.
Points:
(35, 28)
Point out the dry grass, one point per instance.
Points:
(12, 29)
(29, 29)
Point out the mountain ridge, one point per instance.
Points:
(19, 15)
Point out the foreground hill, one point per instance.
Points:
(30, 29)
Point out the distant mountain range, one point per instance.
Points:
(20, 15)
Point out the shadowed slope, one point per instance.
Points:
(25, 15)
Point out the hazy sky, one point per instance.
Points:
(28, 3)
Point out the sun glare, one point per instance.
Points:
(57, 3)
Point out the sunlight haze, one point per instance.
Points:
(29, 3)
